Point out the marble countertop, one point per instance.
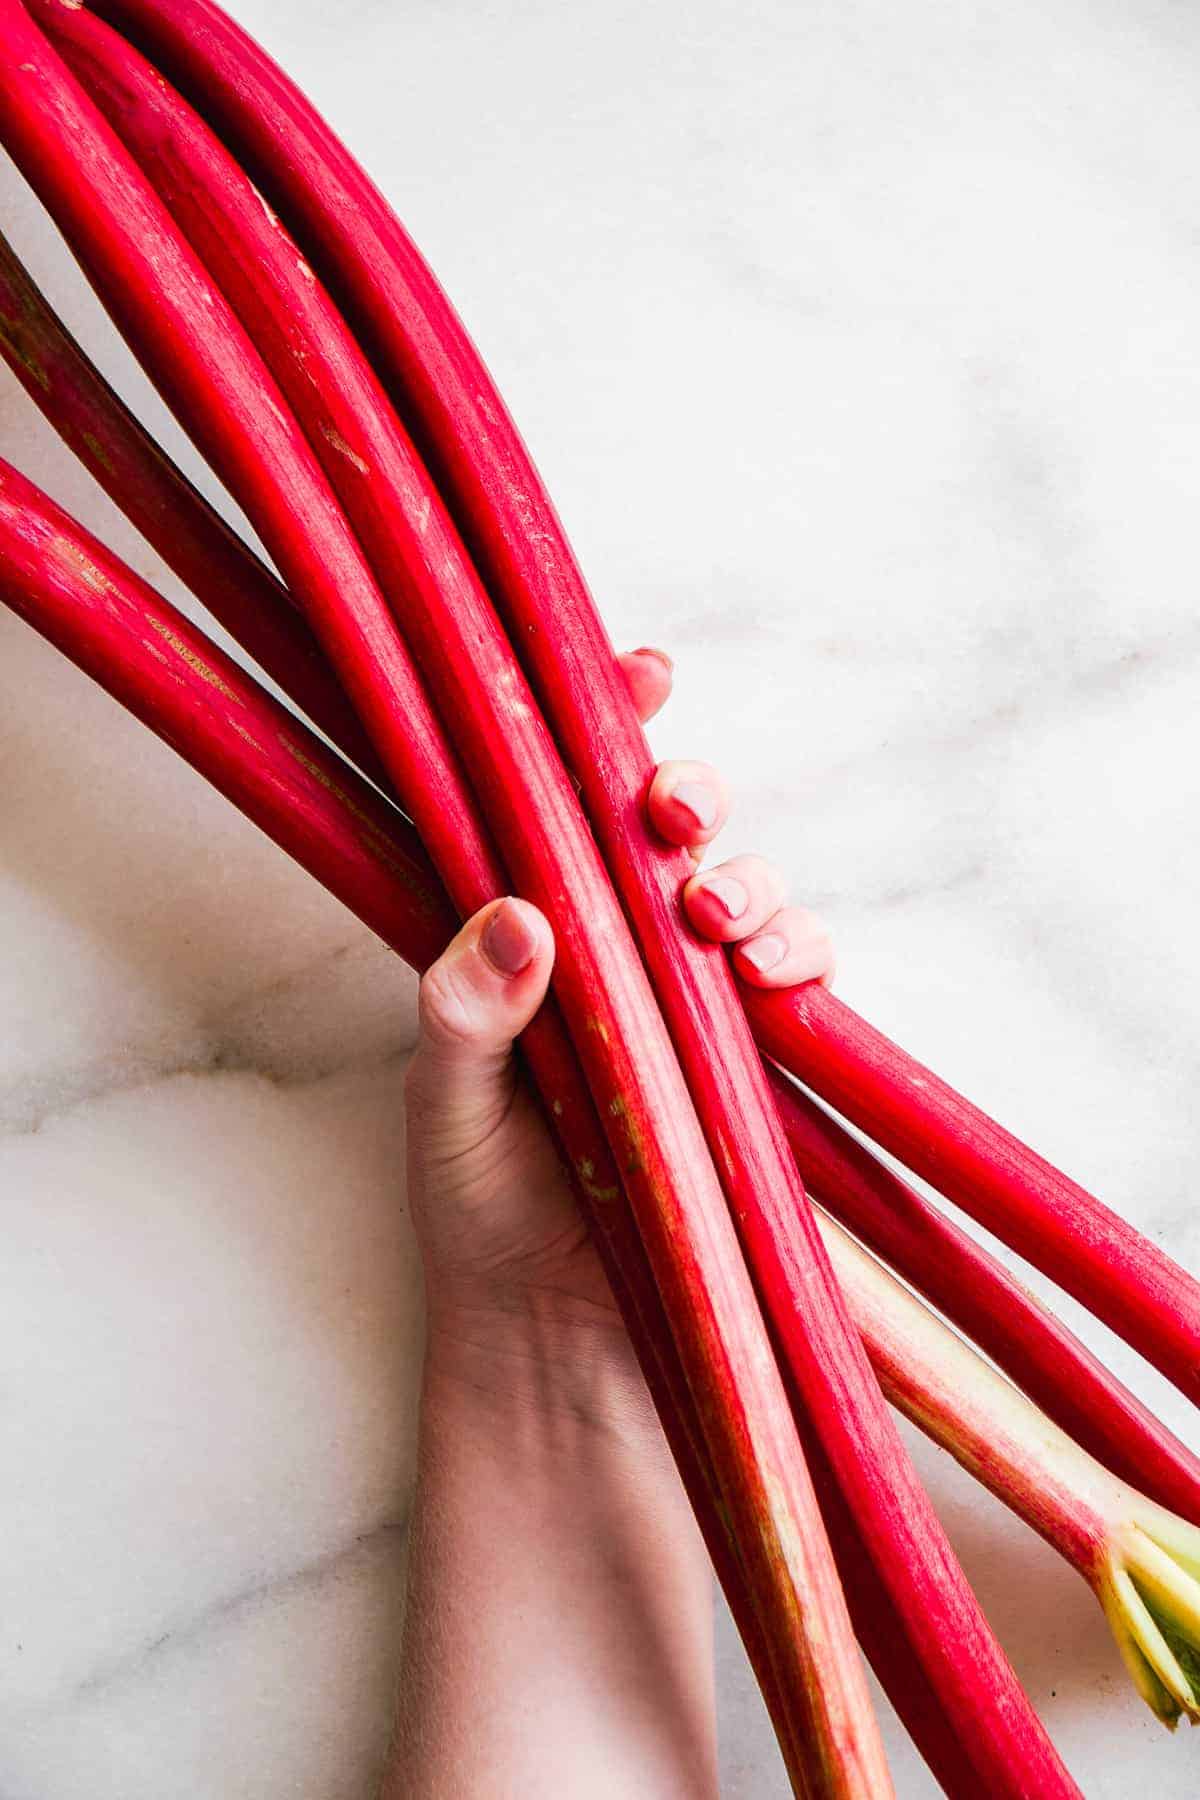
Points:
(859, 347)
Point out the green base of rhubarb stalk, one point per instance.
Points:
(1149, 1586)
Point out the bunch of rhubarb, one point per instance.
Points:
(476, 737)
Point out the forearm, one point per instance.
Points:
(558, 1636)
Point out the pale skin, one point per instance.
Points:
(558, 1627)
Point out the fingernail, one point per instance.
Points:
(699, 800)
(762, 953)
(649, 650)
(508, 941)
(729, 895)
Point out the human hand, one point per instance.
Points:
(498, 1227)
(555, 1569)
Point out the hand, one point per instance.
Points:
(559, 1603)
(499, 1231)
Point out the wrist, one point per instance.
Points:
(556, 1425)
(551, 1524)
(543, 1362)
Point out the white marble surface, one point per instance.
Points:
(860, 347)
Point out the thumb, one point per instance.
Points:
(474, 1001)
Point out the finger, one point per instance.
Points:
(792, 946)
(688, 803)
(735, 899)
(650, 677)
(474, 1001)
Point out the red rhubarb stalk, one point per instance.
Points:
(161, 666)
(167, 673)
(204, 364)
(116, 665)
(190, 535)
(498, 500)
(333, 390)
(988, 1304)
(1142, 1561)
(348, 233)
(456, 632)
(163, 669)
(971, 1287)
(212, 712)
(1089, 1250)
(1139, 1558)
(368, 460)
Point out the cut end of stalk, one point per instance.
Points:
(1149, 1587)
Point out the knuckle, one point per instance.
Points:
(444, 1009)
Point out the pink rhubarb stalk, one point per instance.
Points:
(1142, 1561)
(348, 419)
(163, 669)
(500, 504)
(206, 367)
(190, 535)
(988, 1304)
(971, 1287)
(1089, 1250)
(167, 673)
(350, 236)
(116, 665)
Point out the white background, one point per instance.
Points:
(859, 347)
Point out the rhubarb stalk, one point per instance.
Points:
(162, 667)
(1142, 1562)
(988, 1305)
(167, 673)
(349, 235)
(116, 665)
(500, 504)
(190, 535)
(971, 1287)
(1090, 1251)
(202, 361)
